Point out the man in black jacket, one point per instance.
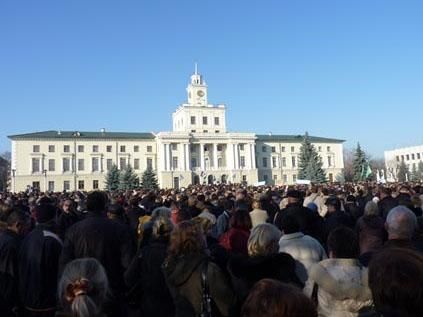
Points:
(10, 241)
(38, 264)
(101, 238)
(386, 202)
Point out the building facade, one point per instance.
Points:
(198, 150)
(411, 156)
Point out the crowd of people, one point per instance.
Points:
(214, 250)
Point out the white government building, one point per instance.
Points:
(411, 156)
(198, 150)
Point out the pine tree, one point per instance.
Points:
(415, 174)
(420, 171)
(310, 163)
(149, 179)
(359, 164)
(403, 173)
(128, 179)
(113, 178)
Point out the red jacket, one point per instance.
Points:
(235, 240)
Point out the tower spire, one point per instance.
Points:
(196, 69)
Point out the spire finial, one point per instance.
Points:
(196, 68)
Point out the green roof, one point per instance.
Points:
(295, 138)
(52, 134)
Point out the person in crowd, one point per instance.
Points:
(386, 202)
(304, 249)
(400, 224)
(348, 293)
(313, 197)
(272, 298)
(395, 280)
(222, 223)
(235, 239)
(263, 261)
(371, 232)
(83, 289)
(10, 241)
(67, 217)
(38, 264)
(98, 237)
(144, 277)
(258, 215)
(351, 208)
(416, 205)
(116, 213)
(335, 217)
(191, 276)
(133, 213)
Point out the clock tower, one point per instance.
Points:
(197, 90)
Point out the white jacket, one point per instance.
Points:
(306, 251)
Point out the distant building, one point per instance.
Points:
(198, 150)
(411, 156)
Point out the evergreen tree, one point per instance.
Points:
(420, 171)
(359, 164)
(128, 179)
(149, 179)
(113, 178)
(403, 173)
(310, 163)
(415, 174)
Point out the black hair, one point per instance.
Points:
(343, 242)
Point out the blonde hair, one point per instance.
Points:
(264, 240)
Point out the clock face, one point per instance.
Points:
(200, 93)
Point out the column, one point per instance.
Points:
(253, 156)
(236, 151)
(164, 158)
(229, 156)
(187, 157)
(202, 157)
(215, 156)
(169, 158)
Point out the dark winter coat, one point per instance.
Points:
(38, 268)
(145, 279)
(65, 221)
(133, 214)
(107, 241)
(183, 277)
(9, 249)
(385, 205)
(245, 271)
(336, 219)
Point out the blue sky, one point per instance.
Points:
(342, 69)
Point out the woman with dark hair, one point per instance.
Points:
(271, 298)
(192, 277)
(235, 240)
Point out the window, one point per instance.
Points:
(283, 149)
(109, 163)
(122, 162)
(109, 148)
(285, 178)
(241, 147)
(66, 185)
(36, 165)
(80, 148)
(81, 164)
(66, 148)
(418, 156)
(122, 148)
(94, 162)
(263, 148)
(244, 178)
(95, 148)
(274, 161)
(328, 149)
(205, 131)
(192, 120)
(242, 161)
(51, 165)
(275, 177)
(66, 164)
(397, 158)
(216, 120)
(81, 185)
(95, 184)
(293, 161)
(264, 161)
(329, 161)
(294, 178)
(193, 131)
(205, 120)
(150, 163)
(320, 148)
(217, 131)
(265, 177)
(149, 148)
(136, 148)
(402, 158)
(292, 148)
(35, 148)
(174, 146)
(412, 156)
(219, 162)
(51, 186)
(407, 157)
(174, 162)
(36, 185)
(137, 164)
(193, 162)
(284, 162)
(51, 148)
(219, 147)
(273, 149)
